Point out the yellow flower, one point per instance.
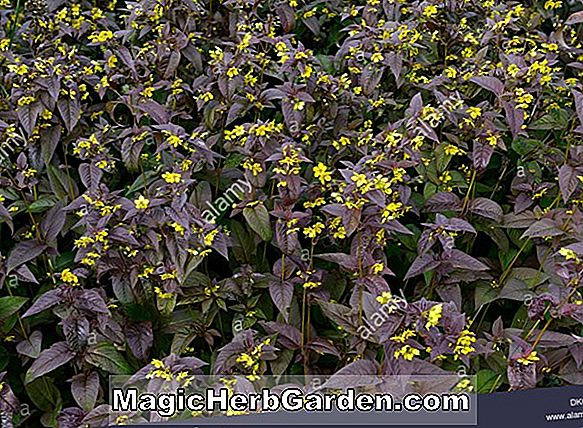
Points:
(232, 72)
(430, 11)
(147, 92)
(377, 57)
(451, 72)
(452, 150)
(142, 203)
(209, 238)
(530, 359)
(553, 4)
(169, 275)
(392, 211)
(474, 112)
(161, 294)
(513, 70)
(359, 179)
(321, 172)
(299, 105)
(433, 316)
(206, 97)
(404, 336)
(101, 36)
(385, 297)
(311, 284)
(568, 254)
(69, 277)
(313, 231)
(254, 167)
(407, 352)
(172, 177)
(464, 343)
(377, 268)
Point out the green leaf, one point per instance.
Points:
(485, 380)
(557, 119)
(485, 293)
(234, 160)
(258, 219)
(45, 395)
(10, 305)
(43, 204)
(106, 357)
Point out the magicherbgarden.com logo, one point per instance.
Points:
(292, 399)
(156, 397)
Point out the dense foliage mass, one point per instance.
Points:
(286, 186)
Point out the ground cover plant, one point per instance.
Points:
(286, 186)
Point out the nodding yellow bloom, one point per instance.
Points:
(430, 11)
(321, 173)
(69, 277)
(316, 203)
(254, 167)
(359, 179)
(384, 298)
(161, 371)
(148, 270)
(452, 150)
(568, 254)
(407, 352)
(377, 268)
(451, 72)
(377, 57)
(474, 112)
(169, 275)
(299, 105)
(464, 343)
(172, 177)
(142, 203)
(529, 359)
(404, 336)
(311, 285)
(392, 211)
(161, 294)
(232, 72)
(313, 231)
(433, 315)
(100, 36)
(209, 238)
(553, 4)
(206, 97)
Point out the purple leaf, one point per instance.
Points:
(487, 208)
(45, 301)
(140, 338)
(90, 176)
(289, 336)
(421, 265)
(567, 181)
(70, 111)
(490, 83)
(575, 18)
(24, 252)
(84, 389)
(31, 347)
(461, 260)
(281, 293)
(443, 201)
(542, 228)
(49, 360)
